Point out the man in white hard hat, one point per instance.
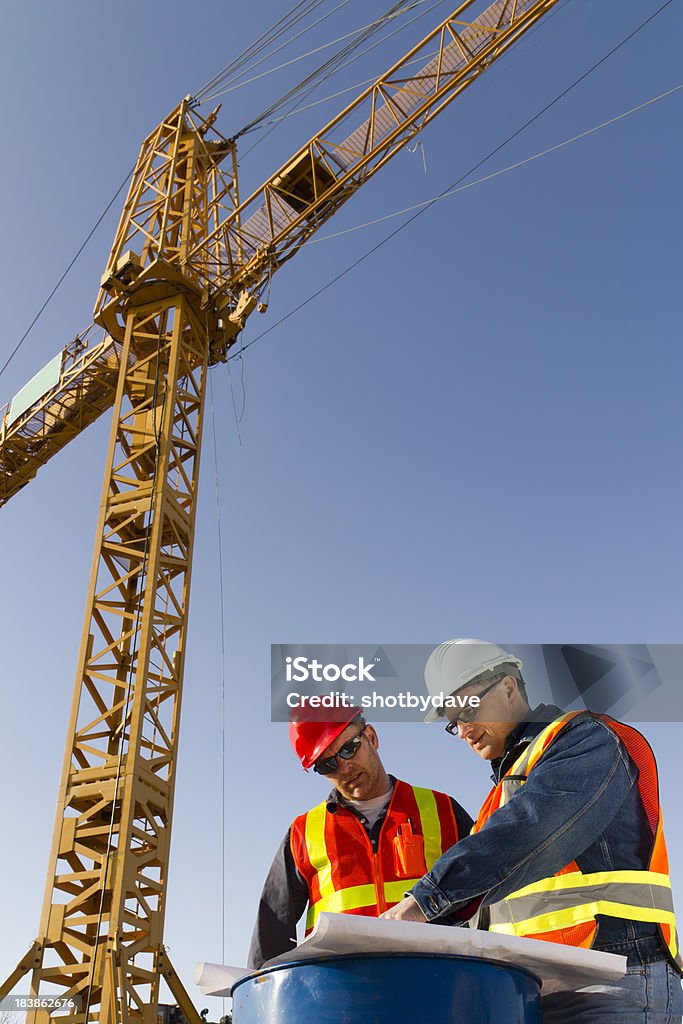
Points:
(568, 846)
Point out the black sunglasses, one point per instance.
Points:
(470, 713)
(327, 765)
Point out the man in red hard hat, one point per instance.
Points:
(359, 850)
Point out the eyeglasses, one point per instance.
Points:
(470, 713)
(329, 764)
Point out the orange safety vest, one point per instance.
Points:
(334, 855)
(564, 907)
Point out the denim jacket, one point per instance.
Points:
(581, 802)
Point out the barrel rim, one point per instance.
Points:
(387, 955)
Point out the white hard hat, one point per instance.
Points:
(455, 663)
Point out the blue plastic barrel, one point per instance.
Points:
(388, 989)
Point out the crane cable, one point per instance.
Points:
(502, 170)
(342, 92)
(417, 60)
(64, 274)
(341, 59)
(297, 108)
(453, 185)
(221, 612)
(223, 85)
(271, 34)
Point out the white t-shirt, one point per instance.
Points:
(371, 809)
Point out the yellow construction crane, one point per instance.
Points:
(190, 262)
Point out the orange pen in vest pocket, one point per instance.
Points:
(409, 852)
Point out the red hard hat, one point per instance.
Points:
(311, 735)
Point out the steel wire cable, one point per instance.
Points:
(64, 274)
(235, 79)
(406, 4)
(503, 170)
(492, 77)
(423, 209)
(221, 612)
(341, 92)
(341, 59)
(296, 106)
(258, 45)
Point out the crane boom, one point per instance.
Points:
(274, 222)
(232, 257)
(181, 279)
(84, 388)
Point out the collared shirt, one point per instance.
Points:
(285, 893)
(521, 736)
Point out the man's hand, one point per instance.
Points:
(406, 910)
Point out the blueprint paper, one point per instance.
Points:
(217, 979)
(559, 968)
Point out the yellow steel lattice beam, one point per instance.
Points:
(102, 921)
(274, 222)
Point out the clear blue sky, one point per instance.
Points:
(476, 432)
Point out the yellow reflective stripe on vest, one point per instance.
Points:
(357, 896)
(576, 879)
(532, 752)
(517, 775)
(341, 901)
(586, 912)
(317, 849)
(646, 891)
(431, 825)
(612, 893)
(521, 765)
(395, 891)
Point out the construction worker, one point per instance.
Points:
(568, 845)
(360, 849)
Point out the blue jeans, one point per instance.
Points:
(647, 994)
